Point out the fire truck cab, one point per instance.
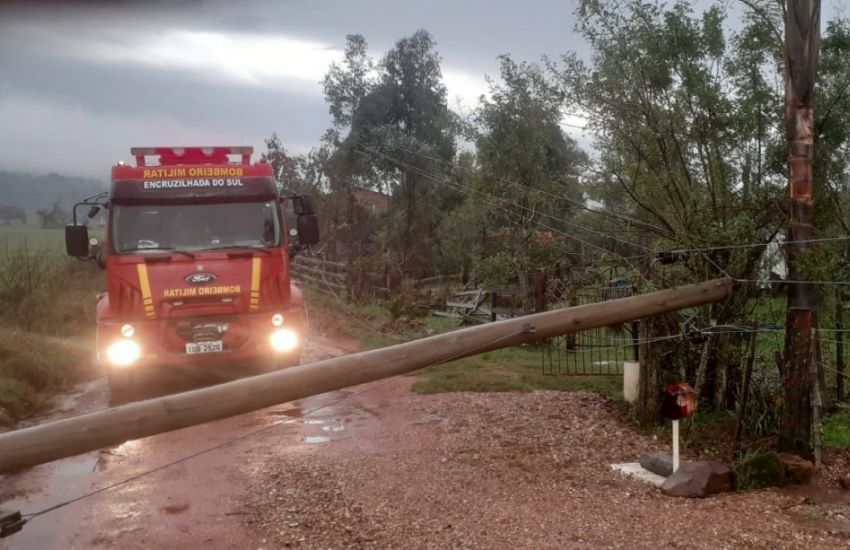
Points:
(197, 254)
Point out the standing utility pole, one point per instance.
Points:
(802, 44)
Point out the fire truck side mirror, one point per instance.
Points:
(77, 240)
(302, 206)
(308, 229)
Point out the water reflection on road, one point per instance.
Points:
(193, 502)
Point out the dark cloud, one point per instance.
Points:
(88, 79)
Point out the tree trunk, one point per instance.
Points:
(649, 383)
(349, 221)
(839, 345)
(539, 281)
(721, 372)
(745, 388)
(702, 369)
(410, 217)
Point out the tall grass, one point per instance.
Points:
(47, 309)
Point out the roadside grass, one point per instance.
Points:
(836, 430)
(33, 366)
(47, 320)
(510, 369)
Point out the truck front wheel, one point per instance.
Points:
(286, 362)
(120, 387)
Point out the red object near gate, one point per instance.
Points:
(678, 401)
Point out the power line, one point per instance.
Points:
(756, 245)
(701, 250)
(580, 204)
(457, 186)
(791, 282)
(533, 211)
(627, 219)
(568, 125)
(463, 189)
(460, 188)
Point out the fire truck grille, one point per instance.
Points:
(201, 331)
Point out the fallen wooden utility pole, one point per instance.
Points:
(72, 436)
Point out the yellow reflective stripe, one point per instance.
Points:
(254, 303)
(145, 286)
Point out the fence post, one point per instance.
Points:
(839, 345)
(745, 388)
(572, 301)
(636, 339)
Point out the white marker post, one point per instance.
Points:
(678, 401)
(675, 445)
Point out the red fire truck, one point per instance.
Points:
(197, 258)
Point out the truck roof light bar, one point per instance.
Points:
(192, 155)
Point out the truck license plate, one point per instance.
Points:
(204, 347)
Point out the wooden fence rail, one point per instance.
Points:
(334, 278)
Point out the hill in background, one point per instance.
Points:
(32, 192)
(22, 195)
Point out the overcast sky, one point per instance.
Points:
(81, 85)
(82, 82)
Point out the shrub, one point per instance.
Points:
(836, 430)
(48, 304)
(760, 471)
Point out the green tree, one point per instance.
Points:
(526, 184)
(285, 167)
(688, 134)
(347, 83)
(402, 130)
(345, 86)
(685, 127)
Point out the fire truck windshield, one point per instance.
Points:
(194, 227)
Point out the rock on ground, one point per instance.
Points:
(699, 479)
(658, 463)
(797, 469)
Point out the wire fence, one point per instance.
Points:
(599, 351)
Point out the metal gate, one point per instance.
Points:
(599, 351)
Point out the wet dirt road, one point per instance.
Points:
(195, 502)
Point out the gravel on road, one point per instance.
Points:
(507, 470)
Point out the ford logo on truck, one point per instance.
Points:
(200, 278)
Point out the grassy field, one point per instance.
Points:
(34, 239)
(47, 318)
(510, 369)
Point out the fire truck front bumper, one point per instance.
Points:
(220, 346)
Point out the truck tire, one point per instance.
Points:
(292, 361)
(120, 388)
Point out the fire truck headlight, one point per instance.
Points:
(284, 340)
(277, 319)
(123, 353)
(127, 331)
